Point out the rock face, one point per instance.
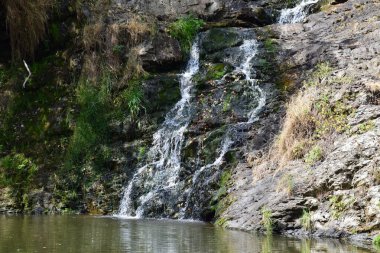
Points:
(219, 178)
(341, 192)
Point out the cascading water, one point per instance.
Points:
(296, 14)
(159, 188)
(164, 156)
(248, 50)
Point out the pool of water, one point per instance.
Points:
(89, 234)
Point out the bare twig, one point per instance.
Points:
(29, 74)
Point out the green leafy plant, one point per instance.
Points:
(185, 30)
(267, 219)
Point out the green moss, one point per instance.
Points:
(331, 116)
(184, 30)
(217, 39)
(270, 46)
(216, 71)
(221, 201)
(227, 103)
(221, 222)
(141, 152)
(118, 49)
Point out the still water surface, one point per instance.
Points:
(87, 234)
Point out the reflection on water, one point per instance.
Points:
(104, 234)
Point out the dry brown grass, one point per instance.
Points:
(26, 24)
(131, 32)
(373, 86)
(298, 127)
(93, 36)
(133, 68)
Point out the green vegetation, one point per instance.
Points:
(339, 205)
(315, 154)
(312, 118)
(270, 46)
(286, 184)
(131, 98)
(376, 241)
(306, 220)
(118, 49)
(216, 71)
(221, 200)
(320, 73)
(185, 29)
(267, 220)
(141, 153)
(17, 172)
(227, 103)
(365, 127)
(92, 122)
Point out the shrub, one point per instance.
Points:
(185, 29)
(17, 172)
(92, 122)
(267, 220)
(26, 23)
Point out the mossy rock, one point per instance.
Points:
(218, 39)
(212, 143)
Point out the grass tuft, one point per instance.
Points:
(185, 29)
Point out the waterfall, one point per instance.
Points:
(164, 156)
(296, 14)
(249, 50)
(158, 189)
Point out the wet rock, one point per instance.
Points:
(162, 54)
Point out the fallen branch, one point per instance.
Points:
(29, 75)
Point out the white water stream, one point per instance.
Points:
(164, 155)
(296, 14)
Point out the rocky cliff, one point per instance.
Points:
(106, 77)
